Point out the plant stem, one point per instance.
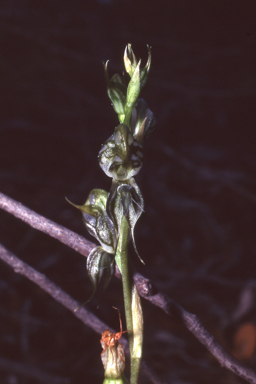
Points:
(135, 367)
(122, 262)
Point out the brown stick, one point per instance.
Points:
(64, 235)
(145, 287)
(62, 297)
(48, 286)
(194, 325)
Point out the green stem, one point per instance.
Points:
(133, 312)
(122, 262)
(127, 118)
(135, 367)
(116, 381)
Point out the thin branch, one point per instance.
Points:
(63, 298)
(194, 325)
(145, 287)
(48, 286)
(64, 235)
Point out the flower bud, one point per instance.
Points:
(133, 89)
(142, 121)
(113, 360)
(117, 93)
(144, 72)
(130, 61)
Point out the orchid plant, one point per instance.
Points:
(111, 217)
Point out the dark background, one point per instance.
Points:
(197, 235)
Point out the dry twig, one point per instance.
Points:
(63, 298)
(48, 286)
(145, 287)
(194, 325)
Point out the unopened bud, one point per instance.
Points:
(113, 360)
(116, 92)
(130, 61)
(144, 72)
(133, 88)
(142, 121)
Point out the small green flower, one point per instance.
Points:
(121, 155)
(125, 199)
(101, 260)
(97, 221)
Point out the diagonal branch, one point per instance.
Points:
(145, 287)
(194, 325)
(64, 235)
(48, 286)
(63, 298)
